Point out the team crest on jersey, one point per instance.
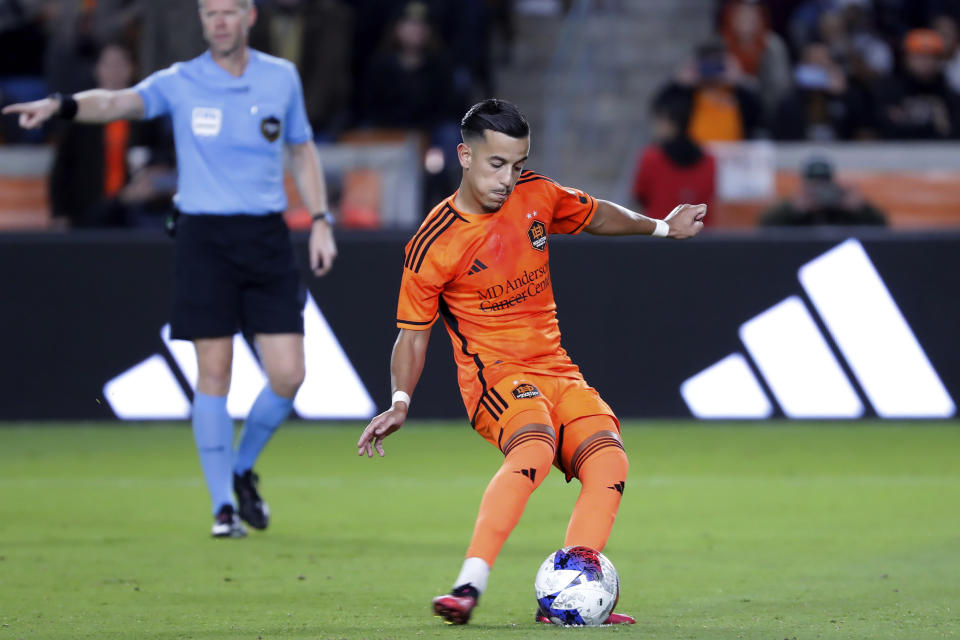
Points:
(270, 128)
(538, 235)
(525, 390)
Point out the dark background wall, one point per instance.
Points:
(638, 315)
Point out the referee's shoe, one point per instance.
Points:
(253, 510)
(226, 524)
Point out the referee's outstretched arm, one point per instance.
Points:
(95, 105)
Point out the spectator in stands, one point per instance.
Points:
(77, 31)
(410, 85)
(822, 201)
(169, 33)
(865, 52)
(317, 37)
(918, 103)
(22, 46)
(724, 105)
(946, 26)
(759, 51)
(117, 174)
(674, 168)
(820, 107)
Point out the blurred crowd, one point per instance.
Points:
(366, 65)
(826, 70)
(794, 70)
(378, 62)
(816, 70)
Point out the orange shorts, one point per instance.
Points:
(524, 399)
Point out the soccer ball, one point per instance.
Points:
(577, 586)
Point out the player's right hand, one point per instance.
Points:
(378, 429)
(33, 114)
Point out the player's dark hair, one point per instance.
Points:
(497, 115)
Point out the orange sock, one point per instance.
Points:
(524, 468)
(602, 475)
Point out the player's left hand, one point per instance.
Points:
(686, 220)
(322, 248)
(378, 429)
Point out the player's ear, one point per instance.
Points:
(465, 154)
(252, 15)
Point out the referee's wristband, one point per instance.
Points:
(400, 396)
(326, 216)
(68, 106)
(661, 230)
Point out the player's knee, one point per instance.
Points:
(214, 381)
(608, 466)
(532, 460)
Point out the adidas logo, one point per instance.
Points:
(151, 390)
(618, 487)
(866, 352)
(529, 473)
(477, 267)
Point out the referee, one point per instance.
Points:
(234, 110)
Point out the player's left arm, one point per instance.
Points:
(611, 219)
(308, 175)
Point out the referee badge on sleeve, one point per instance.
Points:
(270, 128)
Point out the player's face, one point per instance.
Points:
(492, 166)
(226, 24)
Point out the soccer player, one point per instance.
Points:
(480, 260)
(234, 111)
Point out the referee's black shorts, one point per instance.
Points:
(235, 273)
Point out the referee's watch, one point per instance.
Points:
(326, 216)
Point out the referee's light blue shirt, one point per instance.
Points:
(229, 131)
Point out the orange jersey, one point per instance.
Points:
(488, 276)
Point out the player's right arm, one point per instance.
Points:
(406, 365)
(96, 106)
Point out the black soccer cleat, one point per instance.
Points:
(253, 510)
(226, 524)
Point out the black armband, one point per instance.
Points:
(326, 216)
(68, 106)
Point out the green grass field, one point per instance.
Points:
(726, 531)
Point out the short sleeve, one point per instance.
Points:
(157, 92)
(298, 126)
(420, 289)
(572, 210)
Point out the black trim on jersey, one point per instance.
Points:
(451, 321)
(433, 231)
(499, 397)
(589, 215)
(419, 235)
(525, 175)
(416, 322)
(533, 178)
(560, 449)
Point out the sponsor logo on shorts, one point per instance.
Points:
(525, 390)
(538, 235)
